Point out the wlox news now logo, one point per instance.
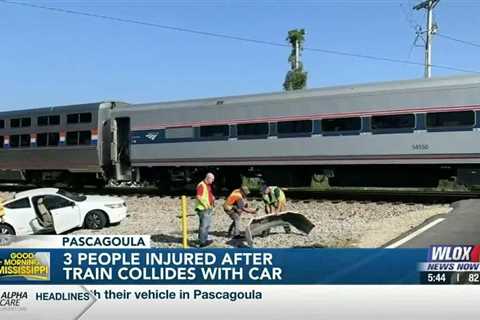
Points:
(455, 258)
(454, 253)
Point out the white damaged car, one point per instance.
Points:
(46, 210)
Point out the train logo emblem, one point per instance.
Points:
(151, 135)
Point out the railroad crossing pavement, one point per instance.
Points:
(460, 226)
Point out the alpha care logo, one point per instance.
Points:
(12, 300)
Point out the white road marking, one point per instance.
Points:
(415, 233)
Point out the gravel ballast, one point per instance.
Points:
(337, 223)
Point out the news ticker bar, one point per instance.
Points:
(129, 259)
(63, 302)
(216, 266)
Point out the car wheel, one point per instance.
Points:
(95, 219)
(6, 229)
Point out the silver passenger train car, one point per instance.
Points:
(403, 133)
(46, 145)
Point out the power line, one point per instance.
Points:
(459, 40)
(413, 25)
(409, 16)
(149, 24)
(428, 5)
(384, 59)
(227, 36)
(127, 3)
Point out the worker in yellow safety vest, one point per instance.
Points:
(274, 199)
(275, 202)
(204, 208)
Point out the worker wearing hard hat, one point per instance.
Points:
(275, 202)
(234, 206)
(274, 199)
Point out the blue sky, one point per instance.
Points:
(50, 58)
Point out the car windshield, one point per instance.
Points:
(72, 195)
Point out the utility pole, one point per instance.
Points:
(428, 5)
(297, 54)
(296, 77)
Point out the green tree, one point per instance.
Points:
(296, 77)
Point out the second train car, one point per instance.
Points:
(400, 134)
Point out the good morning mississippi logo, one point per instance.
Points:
(25, 266)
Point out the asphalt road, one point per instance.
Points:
(461, 226)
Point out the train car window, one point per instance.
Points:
(450, 119)
(73, 118)
(48, 120)
(14, 123)
(54, 120)
(85, 117)
(14, 141)
(18, 204)
(42, 121)
(42, 139)
(53, 139)
(25, 140)
(17, 123)
(2, 141)
(214, 131)
(26, 122)
(294, 127)
(50, 139)
(341, 124)
(78, 138)
(252, 129)
(2, 124)
(71, 138)
(85, 137)
(17, 140)
(79, 117)
(397, 121)
(179, 133)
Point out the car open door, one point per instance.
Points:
(65, 213)
(25, 219)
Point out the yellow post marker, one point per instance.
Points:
(184, 222)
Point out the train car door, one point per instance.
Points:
(120, 149)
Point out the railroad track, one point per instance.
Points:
(403, 196)
(294, 194)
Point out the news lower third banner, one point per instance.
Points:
(80, 271)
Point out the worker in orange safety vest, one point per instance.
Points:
(234, 206)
